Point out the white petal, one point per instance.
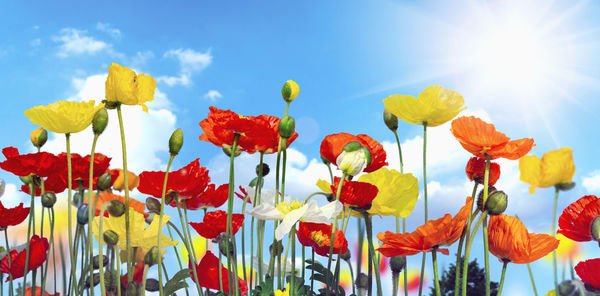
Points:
(267, 197)
(289, 221)
(332, 209)
(265, 212)
(313, 214)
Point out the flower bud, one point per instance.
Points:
(290, 91)
(82, 214)
(390, 120)
(353, 159)
(596, 229)
(397, 263)
(278, 248)
(151, 257)
(325, 160)
(77, 199)
(104, 181)
(176, 141)
(39, 137)
(133, 289)
(110, 237)
(565, 186)
(2, 186)
(152, 285)
(496, 202)
(116, 208)
(476, 171)
(100, 121)
(362, 281)
(254, 182)
(227, 151)
(96, 261)
(287, 126)
(346, 256)
(265, 169)
(95, 280)
(48, 199)
(111, 104)
(25, 179)
(171, 196)
(153, 205)
(223, 241)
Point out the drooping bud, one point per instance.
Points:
(596, 228)
(565, 186)
(82, 214)
(110, 237)
(152, 285)
(290, 91)
(278, 248)
(353, 159)
(104, 181)
(153, 205)
(287, 126)
(346, 256)
(100, 121)
(133, 289)
(265, 169)
(176, 141)
(254, 182)
(496, 203)
(151, 257)
(223, 241)
(397, 263)
(362, 282)
(39, 137)
(95, 280)
(171, 196)
(116, 208)
(96, 261)
(390, 120)
(325, 160)
(227, 151)
(48, 199)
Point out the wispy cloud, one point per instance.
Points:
(109, 29)
(190, 62)
(75, 42)
(592, 182)
(35, 42)
(213, 95)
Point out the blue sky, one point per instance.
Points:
(529, 67)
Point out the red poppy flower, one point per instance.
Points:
(53, 183)
(318, 236)
(37, 256)
(481, 139)
(42, 164)
(80, 167)
(269, 140)
(208, 274)
(105, 197)
(332, 146)
(14, 216)
(215, 223)
(433, 234)
(576, 220)
(510, 240)
(138, 274)
(210, 198)
(188, 181)
(355, 194)
(38, 292)
(476, 171)
(588, 272)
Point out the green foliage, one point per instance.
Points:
(326, 277)
(265, 288)
(475, 281)
(177, 282)
(299, 288)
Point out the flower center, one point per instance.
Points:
(319, 237)
(285, 207)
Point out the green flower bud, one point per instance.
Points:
(152, 285)
(353, 159)
(96, 261)
(390, 120)
(48, 199)
(116, 208)
(110, 237)
(367, 153)
(565, 186)
(39, 137)
(254, 182)
(25, 179)
(176, 141)
(104, 181)
(496, 203)
(95, 280)
(82, 214)
(227, 151)
(325, 160)
(151, 257)
(596, 229)
(287, 126)
(100, 121)
(77, 199)
(290, 91)
(362, 281)
(153, 205)
(150, 218)
(265, 169)
(133, 289)
(223, 241)
(352, 146)
(397, 263)
(278, 248)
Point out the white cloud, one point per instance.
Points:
(36, 27)
(213, 95)
(76, 42)
(35, 42)
(592, 182)
(182, 79)
(190, 61)
(109, 29)
(141, 57)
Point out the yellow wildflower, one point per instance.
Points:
(555, 167)
(64, 117)
(435, 106)
(397, 194)
(124, 86)
(283, 293)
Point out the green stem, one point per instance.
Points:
(293, 238)
(425, 199)
(361, 239)
(405, 267)
(69, 210)
(90, 245)
(435, 272)
(486, 253)
(118, 273)
(230, 273)
(160, 219)
(465, 235)
(312, 271)
(10, 287)
(126, 185)
(465, 264)
(187, 243)
(51, 247)
(31, 219)
(502, 277)
(271, 268)
(399, 152)
(532, 281)
(330, 173)
(101, 248)
(259, 254)
(333, 228)
(351, 275)
(554, 235)
(144, 279)
(369, 228)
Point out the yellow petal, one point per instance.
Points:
(324, 186)
(558, 167)
(529, 167)
(64, 116)
(124, 86)
(405, 108)
(398, 193)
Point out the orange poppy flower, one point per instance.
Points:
(576, 220)
(482, 139)
(105, 197)
(133, 180)
(509, 240)
(332, 146)
(433, 234)
(476, 171)
(588, 272)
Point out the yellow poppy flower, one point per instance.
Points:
(124, 86)
(64, 117)
(555, 167)
(435, 106)
(142, 237)
(286, 292)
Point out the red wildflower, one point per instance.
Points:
(476, 171)
(576, 220)
(42, 164)
(188, 181)
(80, 167)
(356, 194)
(433, 234)
(588, 272)
(37, 256)
(14, 216)
(269, 140)
(481, 139)
(244, 194)
(210, 198)
(332, 146)
(38, 292)
(53, 183)
(318, 236)
(215, 223)
(208, 274)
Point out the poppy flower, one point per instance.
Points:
(355, 194)
(434, 106)
(433, 234)
(119, 182)
(333, 145)
(13, 216)
(187, 181)
(208, 274)
(80, 167)
(215, 223)
(221, 126)
(106, 196)
(576, 220)
(209, 198)
(269, 140)
(244, 193)
(555, 167)
(54, 183)
(318, 236)
(481, 139)
(588, 272)
(138, 274)
(124, 86)
(64, 117)
(37, 256)
(476, 171)
(41, 164)
(38, 292)
(509, 240)
(397, 193)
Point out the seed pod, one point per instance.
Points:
(390, 120)
(100, 121)
(48, 199)
(287, 126)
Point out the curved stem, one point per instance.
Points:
(10, 291)
(502, 278)
(465, 264)
(31, 219)
(90, 245)
(399, 151)
(369, 228)
(465, 235)
(330, 173)
(435, 272)
(188, 246)
(531, 278)
(554, 235)
(160, 219)
(230, 273)
(126, 185)
(144, 278)
(425, 200)
(313, 194)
